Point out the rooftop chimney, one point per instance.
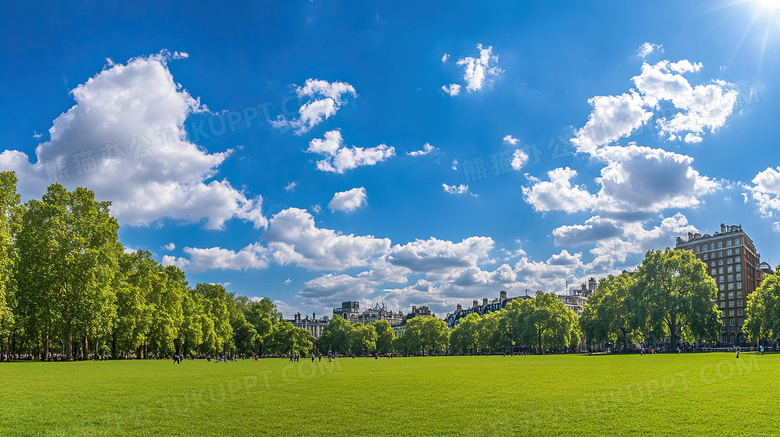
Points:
(484, 301)
(459, 307)
(722, 228)
(475, 303)
(502, 295)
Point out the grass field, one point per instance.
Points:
(689, 394)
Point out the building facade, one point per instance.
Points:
(487, 306)
(734, 264)
(313, 324)
(350, 310)
(578, 297)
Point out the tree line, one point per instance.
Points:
(67, 288)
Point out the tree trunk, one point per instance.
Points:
(68, 344)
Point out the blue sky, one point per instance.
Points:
(400, 153)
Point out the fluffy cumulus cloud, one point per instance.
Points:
(324, 99)
(558, 193)
(125, 139)
(478, 72)
(649, 180)
(636, 239)
(647, 48)
(519, 159)
(253, 256)
(452, 89)
(348, 201)
(455, 189)
(594, 229)
(434, 255)
(766, 191)
(293, 238)
(683, 111)
(427, 148)
(339, 158)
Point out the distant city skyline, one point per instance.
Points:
(424, 155)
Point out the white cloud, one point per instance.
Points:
(427, 148)
(509, 139)
(452, 89)
(180, 55)
(519, 159)
(456, 189)
(125, 140)
(340, 158)
(348, 201)
(169, 246)
(291, 186)
(294, 239)
(637, 240)
(445, 57)
(647, 48)
(439, 255)
(325, 98)
(558, 193)
(766, 191)
(253, 256)
(454, 165)
(693, 110)
(479, 71)
(776, 226)
(645, 179)
(595, 228)
(612, 118)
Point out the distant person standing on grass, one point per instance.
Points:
(737, 351)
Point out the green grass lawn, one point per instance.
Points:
(688, 394)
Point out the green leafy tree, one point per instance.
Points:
(425, 334)
(384, 336)
(10, 214)
(335, 336)
(762, 315)
(544, 322)
(673, 297)
(67, 256)
(465, 335)
(607, 316)
(263, 316)
(362, 339)
(216, 306)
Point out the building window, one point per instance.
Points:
(731, 295)
(704, 257)
(723, 296)
(720, 270)
(739, 294)
(737, 242)
(712, 263)
(739, 302)
(720, 245)
(721, 287)
(740, 312)
(728, 243)
(713, 272)
(738, 268)
(729, 252)
(737, 251)
(730, 269)
(731, 322)
(723, 322)
(720, 279)
(730, 278)
(729, 260)
(731, 313)
(738, 259)
(712, 246)
(739, 276)
(720, 262)
(739, 286)
(731, 304)
(731, 285)
(720, 253)
(723, 304)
